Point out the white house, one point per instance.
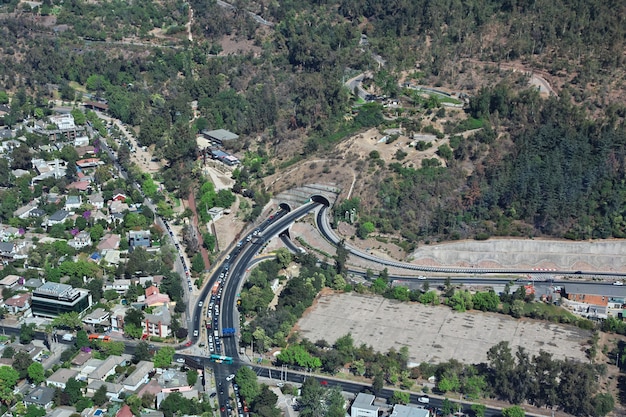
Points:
(61, 376)
(363, 406)
(139, 377)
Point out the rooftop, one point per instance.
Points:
(221, 134)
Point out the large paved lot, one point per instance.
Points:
(434, 334)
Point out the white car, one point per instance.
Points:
(424, 399)
(195, 333)
(230, 377)
(618, 283)
(180, 360)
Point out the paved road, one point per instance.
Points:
(323, 226)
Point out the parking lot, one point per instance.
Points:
(434, 333)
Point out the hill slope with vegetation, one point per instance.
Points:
(535, 167)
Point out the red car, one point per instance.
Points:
(188, 343)
(324, 383)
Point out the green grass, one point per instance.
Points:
(549, 312)
(446, 99)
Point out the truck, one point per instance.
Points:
(216, 287)
(228, 331)
(68, 337)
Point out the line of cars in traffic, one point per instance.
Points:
(180, 254)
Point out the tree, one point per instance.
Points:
(283, 257)
(21, 362)
(133, 331)
(73, 391)
(163, 357)
(479, 410)
(82, 339)
(249, 388)
(70, 320)
(603, 404)
(134, 316)
(27, 333)
(399, 397)
(341, 257)
(142, 352)
(36, 373)
(265, 403)
(378, 383)
(8, 379)
(100, 396)
(515, 411)
(34, 411)
(192, 377)
(8, 352)
(310, 404)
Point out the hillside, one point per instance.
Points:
(512, 163)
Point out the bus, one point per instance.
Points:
(99, 337)
(221, 359)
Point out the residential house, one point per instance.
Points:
(154, 298)
(363, 406)
(139, 377)
(81, 359)
(18, 303)
(98, 215)
(33, 352)
(10, 281)
(57, 217)
(40, 396)
(24, 211)
(155, 280)
(173, 380)
(61, 376)
(117, 318)
(85, 150)
(119, 285)
(109, 241)
(80, 185)
(37, 213)
(8, 250)
(81, 240)
(88, 368)
(98, 317)
(8, 232)
(81, 141)
(118, 207)
(153, 388)
(119, 197)
(106, 368)
(48, 169)
(125, 411)
(96, 200)
(89, 163)
(72, 202)
(139, 238)
(112, 257)
(158, 322)
(113, 390)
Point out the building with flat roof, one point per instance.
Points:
(53, 299)
(363, 406)
(139, 238)
(219, 136)
(400, 410)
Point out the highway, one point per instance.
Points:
(323, 226)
